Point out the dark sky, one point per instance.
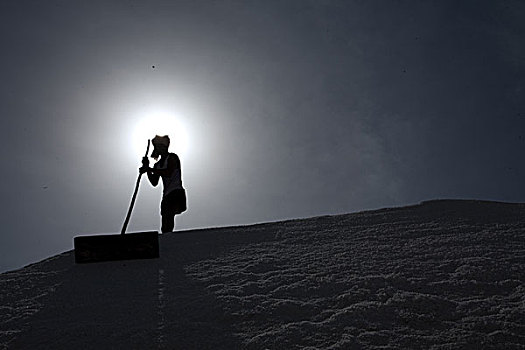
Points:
(291, 109)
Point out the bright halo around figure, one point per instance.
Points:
(160, 124)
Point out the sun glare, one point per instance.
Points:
(159, 124)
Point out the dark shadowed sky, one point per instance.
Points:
(287, 109)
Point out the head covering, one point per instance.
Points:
(161, 141)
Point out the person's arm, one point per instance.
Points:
(172, 165)
(154, 174)
(153, 179)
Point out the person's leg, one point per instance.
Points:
(168, 223)
(167, 213)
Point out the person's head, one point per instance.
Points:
(160, 146)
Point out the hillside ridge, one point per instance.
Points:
(440, 274)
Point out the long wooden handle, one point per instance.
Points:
(128, 216)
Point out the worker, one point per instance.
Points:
(168, 168)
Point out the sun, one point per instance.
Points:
(159, 124)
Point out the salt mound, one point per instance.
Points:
(439, 275)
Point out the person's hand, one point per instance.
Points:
(145, 162)
(143, 169)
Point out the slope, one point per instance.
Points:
(439, 275)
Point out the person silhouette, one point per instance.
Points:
(168, 168)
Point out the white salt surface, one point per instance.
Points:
(441, 275)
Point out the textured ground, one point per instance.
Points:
(441, 275)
